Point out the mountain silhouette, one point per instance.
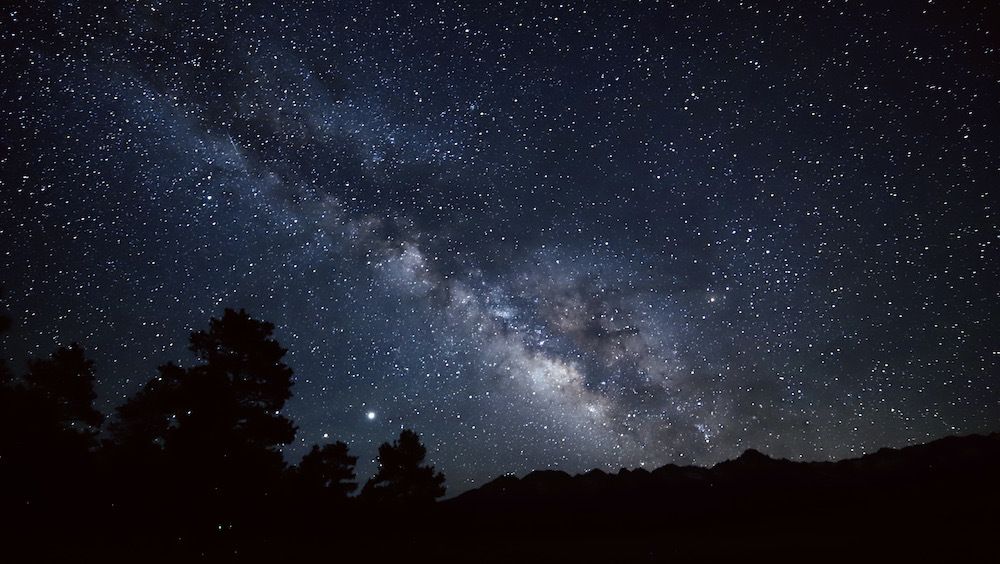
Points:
(938, 498)
(940, 466)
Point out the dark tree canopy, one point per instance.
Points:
(5, 375)
(329, 468)
(66, 381)
(195, 455)
(146, 419)
(401, 475)
(52, 403)
(229, 402)
(241, 350)
(48, 429)
(210, 435)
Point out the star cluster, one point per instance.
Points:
(588, 234)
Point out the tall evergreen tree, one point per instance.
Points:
(229, 402)
(5, 375)
(402, 477)
(329, 470)
(212, 433)
(48, 429)
(66, 382)
(50, 408)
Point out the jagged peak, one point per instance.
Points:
(752, 454)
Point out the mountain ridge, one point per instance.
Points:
(892, 468)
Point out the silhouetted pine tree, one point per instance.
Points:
(401, 475)
(66, 382)
(212, 433)
(48, 427)
(328, 469)
(5, 375)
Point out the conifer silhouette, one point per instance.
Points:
(329, 468)
(230, 402)
(211, 434)
(401, 475)
(48, 429)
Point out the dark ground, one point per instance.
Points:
(937, 501)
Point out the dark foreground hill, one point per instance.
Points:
(946, 466)
(940, 498)
(934, 502)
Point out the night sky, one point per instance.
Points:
(567, 236)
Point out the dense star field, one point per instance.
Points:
(542, 235)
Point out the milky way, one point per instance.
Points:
(542, 235)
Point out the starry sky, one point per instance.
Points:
(544, 235)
